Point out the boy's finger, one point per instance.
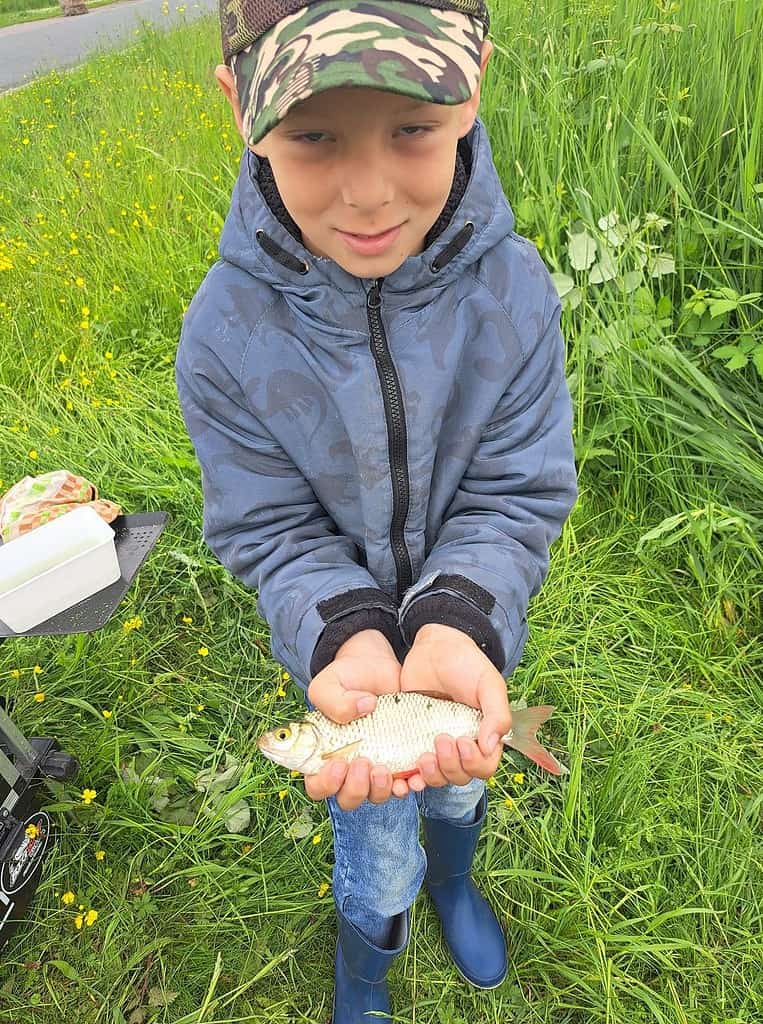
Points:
(381, 784)
(474, 763)
(356, 785)
(328, 781)
(430, 772)
(449, 761)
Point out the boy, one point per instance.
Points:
(372, 376)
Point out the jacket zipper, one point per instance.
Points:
(397, 438)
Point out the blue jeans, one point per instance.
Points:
(379, 863)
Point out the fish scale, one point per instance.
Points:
(401, 728)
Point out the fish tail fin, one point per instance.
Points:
(524, 724)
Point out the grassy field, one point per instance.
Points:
(629, 138)
(14, 12)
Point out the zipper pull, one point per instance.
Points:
(374, 296)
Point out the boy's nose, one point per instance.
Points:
(367, 187)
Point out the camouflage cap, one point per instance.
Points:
(282, 51)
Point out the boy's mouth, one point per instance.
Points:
(370, 245)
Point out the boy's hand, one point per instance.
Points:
(447, 662)
(363, 667)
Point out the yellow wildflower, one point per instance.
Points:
(203, 651)
(100, 854)
(187, 620)
(491, 782)
(15, 673)
(91, 917)
(286, 676)
(247, 848)
(282, 793)
(509, 803)
(134, 623)
(323, 888)
(68, 897)
(78, 921)
(88, 795)
(34, 455)
(37, 670)
(62, 357)
(200, 707)
(316, 840)
(107, 714)
(518, 777)
(281, 692)
(39, 697)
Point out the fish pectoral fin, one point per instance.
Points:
(342, 751)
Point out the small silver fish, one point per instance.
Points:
(401, 728)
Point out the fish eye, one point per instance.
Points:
(283, 734)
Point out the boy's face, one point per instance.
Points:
(363, 161)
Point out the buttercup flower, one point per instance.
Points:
(39, 697)
(68, 897)
(88, 795)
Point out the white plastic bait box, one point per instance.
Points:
(56, 565)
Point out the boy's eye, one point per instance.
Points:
(310, 137)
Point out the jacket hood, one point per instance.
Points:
(254, 239)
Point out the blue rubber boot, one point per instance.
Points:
(470, 928)
(361, 972)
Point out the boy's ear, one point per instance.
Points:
(224, 77)
(471, 107)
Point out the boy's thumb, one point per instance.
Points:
(328, 694)
(496, 720)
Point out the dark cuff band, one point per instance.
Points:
(341, 629)
(449, 610)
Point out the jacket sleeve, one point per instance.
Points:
(492, 551)
(264, 523)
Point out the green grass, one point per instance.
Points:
(16, 12)
(632, 891)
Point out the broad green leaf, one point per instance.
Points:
(661, 265)
(582, 250)
(563, 284)
(720, 306)
(604, 270)
(238, 817)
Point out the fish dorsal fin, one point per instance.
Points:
(350, 748)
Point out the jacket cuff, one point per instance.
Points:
(454, 600)
(349, 613)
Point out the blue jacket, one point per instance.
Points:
(381, 453)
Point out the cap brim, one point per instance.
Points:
(415, 51)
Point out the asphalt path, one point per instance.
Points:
(33, 48)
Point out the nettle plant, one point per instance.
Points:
(621, 253)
